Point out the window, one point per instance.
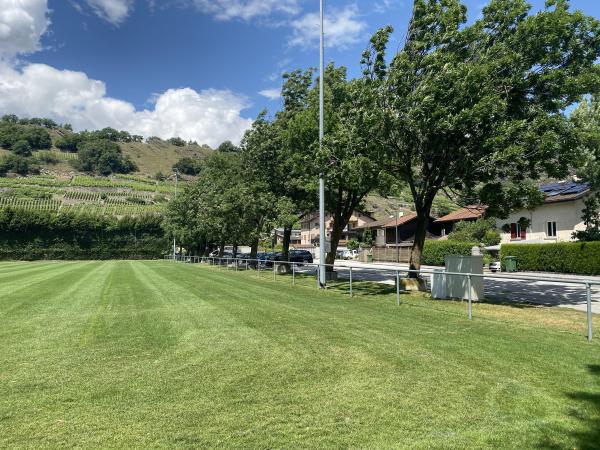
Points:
(551, 229)
(516, 232)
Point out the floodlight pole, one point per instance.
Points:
(174, 241)
(322, 240)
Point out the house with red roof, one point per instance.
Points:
(384, 231)
(469, 213)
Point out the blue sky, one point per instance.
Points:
(201, 69)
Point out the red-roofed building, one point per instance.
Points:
(384, 232)
(468, 213)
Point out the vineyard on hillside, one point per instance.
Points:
(120, 195)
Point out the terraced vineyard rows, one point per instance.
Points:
(119, 196)
(56, 154)
(32, 204)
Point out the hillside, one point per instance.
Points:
(59, 186)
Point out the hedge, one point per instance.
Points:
(565, 257)
(38, 235)
(435, 252)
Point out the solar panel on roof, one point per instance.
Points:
(563, 188)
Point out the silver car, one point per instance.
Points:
(495, 267)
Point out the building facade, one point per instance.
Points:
(554, 221)
(310, 232)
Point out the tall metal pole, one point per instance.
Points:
(322, 274)
(397, 247)
(174, 241)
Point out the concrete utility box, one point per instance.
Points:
(439, 287)
(457, 285)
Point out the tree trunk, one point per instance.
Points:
(287, 237)
(336, 234)
(235, 249)
(202, 247)
(221, 249)
(416, 254)
(254, 249)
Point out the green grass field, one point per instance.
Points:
(158, 354)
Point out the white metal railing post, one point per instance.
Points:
(351, 293)
(397, 288)
(293, 274)
(319, 277)
(588, 289)
(470, 298)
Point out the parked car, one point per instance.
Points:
(295, 256)
(301, 256)
(495, 266)
(350, 254)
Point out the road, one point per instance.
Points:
(501, 288)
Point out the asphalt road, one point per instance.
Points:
(500, 288)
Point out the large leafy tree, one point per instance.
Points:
(586, 119)
(351, 159)
(478, 108)
(221, 207)
(280, 153)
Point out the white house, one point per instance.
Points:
(554, 221)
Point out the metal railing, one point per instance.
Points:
(265, 265)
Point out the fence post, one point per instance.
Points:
(470, 299)
(293, 274)
(588, 289)
(274, 274)
(351, 293)
(318, 276)
(236, 264)
(397, 288)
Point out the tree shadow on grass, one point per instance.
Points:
(589, 438)
(363, 288)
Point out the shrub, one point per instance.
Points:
(17, 164)
(69, 142)
(32, 235)
(47, 157)
(564, 257)
(103, 157)
(435, 252)
(188, 166)
(38, 138)
(482, 230)
(177, 142)
(228, 147)
(353, 244)
(21, 148)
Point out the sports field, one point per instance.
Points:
(159, 354)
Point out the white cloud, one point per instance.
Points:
(209, 116)
(271, 94)
(22, 24)
(383, 6)
(246, 9)
(343, 28)
(114, 11)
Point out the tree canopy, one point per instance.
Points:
(478, 109)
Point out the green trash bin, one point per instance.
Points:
(510, 263)
(369, 258)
